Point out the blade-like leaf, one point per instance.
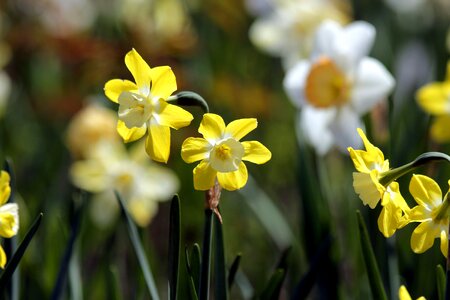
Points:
(137, 245)
(440, 281)
(205, 272)
(233, 269)
(14, 261)
(376, 284)
(174, 247)
(220, 278)
(193, 286)
(273, 287)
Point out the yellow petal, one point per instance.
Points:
(2, 258)
(425, 191)
(157, 143)
(5, 188)
(115, 87)
(142, 210)
(212, 127)
(140, 70)
(367, 187)
(256, 152)
(194, 149)
(388, 219)
(444, 242)
(130, 135)
(433, 98)
(403, 293)
(9, 219)
(173, 116)
(439, 129)
(204, 176)
(233, 180)
(423, 236)
(163, 82)
(89, 175)
(240, 128)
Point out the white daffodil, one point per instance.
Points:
(288, 30)
(141, 183)
(337, 85)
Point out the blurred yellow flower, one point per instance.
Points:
(371, 165)
(143, 107)
(403, 294)
(9, 214)
(432, 212)
(89, 126)
(141, 183)
(434, 98)
(222, 154)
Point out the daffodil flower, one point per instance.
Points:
(403, 294)
(434, 98)
(432, 213)
(222, 154)
(371, 167)
(143, 107)
(9, 214)
(108, 167)
(337, 85)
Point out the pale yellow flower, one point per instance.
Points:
(9, 214)
(143, 107)
(403, 294)
(222, 154)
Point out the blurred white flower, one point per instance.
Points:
(288, 30)
(337, 85)
(5, 89)
(141, 183)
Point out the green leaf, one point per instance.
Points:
(174, 247)
(233, 270)
(139, 250)
(186, 98)
(14, 261)
(113, 282)
(220, 276)
(205, 272)
(440, 281)
(195, 265)
(192, 282)
(273, 287)
(376, 284)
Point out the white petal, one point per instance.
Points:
(372, 84)
(294, 83)
(265, 34)
(314, 125)
(324, 39)
(344, 129)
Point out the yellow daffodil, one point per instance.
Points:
(9, 216)
(434, 98)
(403, 294)
(141, 183)
(432, 212)
(371, 166)
(143, 107)
(222, 154)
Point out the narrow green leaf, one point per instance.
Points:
(174, 247)
(220, 278)
(186, 98)
(273, 287)
(440, 281)
(191, 282)
(137, 245)
(233, 269)
(205, 272)
(113, 283)
(195, 261)
(376, 284)
(14, 261)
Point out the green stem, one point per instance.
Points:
(447, 273)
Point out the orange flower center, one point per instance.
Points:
(326, 85)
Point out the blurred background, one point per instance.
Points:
(56, 56)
